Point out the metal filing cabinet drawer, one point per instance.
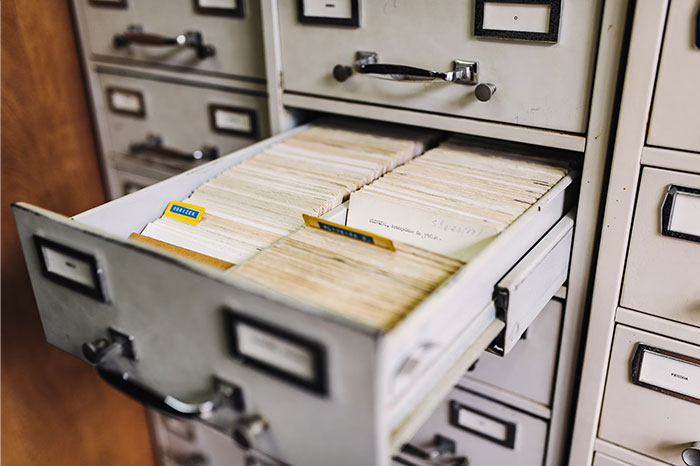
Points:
(235, 33)
(652, 395)
(675, 115)
(532, 86)
(529, 369)
(182, 117)
(174, 310)
(487, 432)
(661, 275)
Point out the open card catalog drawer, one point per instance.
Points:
(302, 384)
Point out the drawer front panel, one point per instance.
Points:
(537, 84)
(186, 118)
(641, 417)
(529, 369)
(661, 275)
(237, 39)
(484, 431)
(675, 115)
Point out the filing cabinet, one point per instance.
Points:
(603, 460)
(638, 401)
(652, 395)
(540, 75)
(225, 37)
(664, 252)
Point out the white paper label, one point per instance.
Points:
(227, 4)
(686, 214)
(126, 102)
(486, 426)
(670, 374)
(328, 8)
(516, 17)
(69, 267)
(234, 121)
(275, 351)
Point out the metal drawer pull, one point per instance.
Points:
(443, 448)
(463, 72)
(691, 455)
(112, 359)
(190, 39)
(154, 144)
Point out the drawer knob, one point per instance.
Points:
(691, 455)
(485, 91)
(341, 72)
(190, 39)
(247, 428)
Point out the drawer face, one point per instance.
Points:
(661, 273)
(186, 118)
(529, 369)
(641, 418)
(485, 431)
(675, 115)
(237, 40)
(538, 84)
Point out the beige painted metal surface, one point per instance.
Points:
(533, 88)
(479, 427)
(238, 41)
(642, 419)
(529, 369)
(644, 47)
(675, 115)
(662, 276)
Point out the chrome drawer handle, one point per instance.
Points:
(190, 39)
(463, 72)
(691, 455)
(442, 451)
(154, 144)
(112, 359)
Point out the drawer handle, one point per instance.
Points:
(111, 358)
(154, 144)
(463, 72)
(190, 39)
(691, 455)
(442, 448)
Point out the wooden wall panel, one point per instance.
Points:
(55, 410)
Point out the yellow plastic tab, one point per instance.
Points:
(354, 233)
(188, 213)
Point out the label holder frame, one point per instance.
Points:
(636, 369)
(319, 384)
